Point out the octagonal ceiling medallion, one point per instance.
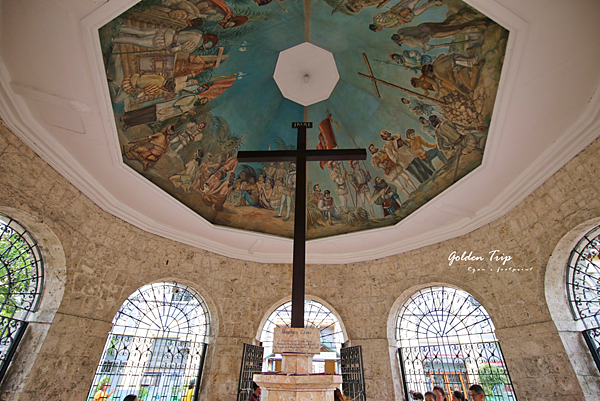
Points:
(306, 74)
(191, 83)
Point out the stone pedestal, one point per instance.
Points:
(295, 382)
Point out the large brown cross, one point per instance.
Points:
(300, 157)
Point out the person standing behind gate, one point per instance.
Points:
(255, 396)
(101, 394)
(477, 393)
(440, 394)
(189, 394)
(338, 395)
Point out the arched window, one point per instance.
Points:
(583, 288)
(315, 315)
(157, 345)
(21, 280)
(446, 338)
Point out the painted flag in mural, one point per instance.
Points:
(326, 137)
(218, 87)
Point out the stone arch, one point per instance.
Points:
(391, 326)
(55, 276)
(568, 328)
(288, 298)
(264, 323)
(165, 332)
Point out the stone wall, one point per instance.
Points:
(107, 259)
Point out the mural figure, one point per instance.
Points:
(392, 170)
(287, 192)
(186, 41)
(386, 195)
(422, 34)
(401, 13)
(417, 144)
(217, 198)
(185, 178)
(400, 153)
(265, 192)
(192, 132)
(418, 107)
(339, 176)
(149, 150)
(460, 138)
(326, 205)
(162, 111)
(204, 10)
(360, 181)
(249, 193)
(411, 60)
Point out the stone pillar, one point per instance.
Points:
(296, 382)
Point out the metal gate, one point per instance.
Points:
(456, 367)
(252, 361)
(353, 373)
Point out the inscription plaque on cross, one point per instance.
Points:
(300, 156)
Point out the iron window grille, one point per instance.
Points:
(583, 288)
(157, 345)
(446, 338)
(21, 283)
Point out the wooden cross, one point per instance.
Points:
(300, 157)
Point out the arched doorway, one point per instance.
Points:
(446, 338)
(315, 315)
(157, 345)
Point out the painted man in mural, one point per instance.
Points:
(326, 205)
(399, 152)
(386, 195)
(205, 10)
(186, 41)
(186, 177)
(417, 145)
(392, 170)
(163, 111)
(422, 34)
(186, 135)
(458, 137)
(412, 60)
(250, 192)
(339, 176)
(217, 197)
(287, 192)
(360, 179)
(401, 14)
(150, 149)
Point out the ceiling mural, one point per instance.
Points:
(191, 83)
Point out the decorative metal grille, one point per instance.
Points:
(583, 288)
(353, 373)
(157, 345)
(315, 315)
(21, 280)
(252, 361)
(446, 338)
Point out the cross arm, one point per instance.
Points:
(291, 155)
(336, 154)
(250, 156)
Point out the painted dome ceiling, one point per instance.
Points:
(191, 83)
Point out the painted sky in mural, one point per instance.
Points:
(191, 84)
